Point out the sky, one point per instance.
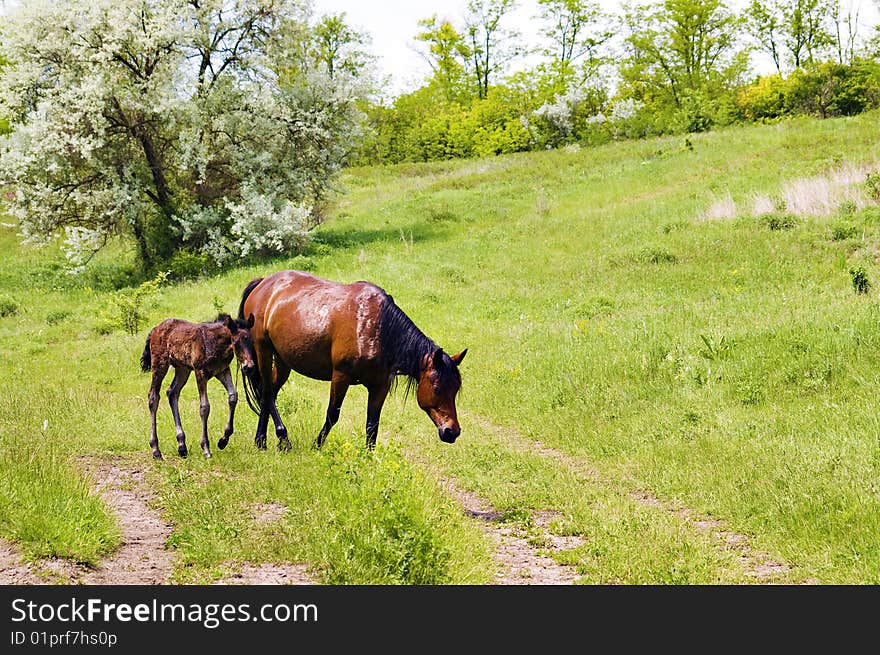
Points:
(393, 25)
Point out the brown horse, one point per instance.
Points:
(347, 334)
(207, 349)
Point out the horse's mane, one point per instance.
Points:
(404, 345)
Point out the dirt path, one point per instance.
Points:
(142, 557)
(14, 570)
(520, 563)
(756, 564)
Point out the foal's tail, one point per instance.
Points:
(146, 357)
(253, 382)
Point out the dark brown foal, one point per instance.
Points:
(206, 349)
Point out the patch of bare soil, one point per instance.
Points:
(520, 562)
(269, 574)
(14, 570)
(142, 558)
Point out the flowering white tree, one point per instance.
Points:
(177, 122)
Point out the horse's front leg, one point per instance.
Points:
(204, 409)
(280, 375)
(375, 400)
(226, 379)
(181, 375)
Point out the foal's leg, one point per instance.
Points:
(159, 372)
(226, 379)
(339, 384)
(375, 400)
(181, 375)
(204, 409)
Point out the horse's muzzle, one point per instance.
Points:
(449, 435)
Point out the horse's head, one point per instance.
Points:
(242, 343)
(439, 382)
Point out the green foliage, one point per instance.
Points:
(860, 282)
(57, 316)
(844, 231)
(780, 221)
(832, 89)
(186, 264)
(872, 184)
(127, 306)
(8, 305)
(764, 99)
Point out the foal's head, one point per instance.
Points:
(439, 382)
(242, 343)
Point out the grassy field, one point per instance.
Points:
(623, 306)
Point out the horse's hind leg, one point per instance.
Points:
(375, 400)
(280, 376)
(159, 372)
(181, 375)
(204, 410)
(226, 379)
(339, 384)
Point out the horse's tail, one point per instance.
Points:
(253, 389)
(253, 381)
(146, 357)
(244, 295)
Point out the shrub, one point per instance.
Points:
(8, 306)
(780, 221)
(127, 306)
(860, 281)
(765, 99)
(872, 184)
(654, 256)
(57, 316)
(844, 231)
(186, 264)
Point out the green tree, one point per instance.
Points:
(575, 29)
(491, 46)
(339, 47)
(448, 55)
(680, 45)
(763, 21)
(805, 24)
(165, 120)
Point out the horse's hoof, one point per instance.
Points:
(157, 454)
(207, 454)
(284, 445)
(221, 443)
(260, 442)
(182, 451)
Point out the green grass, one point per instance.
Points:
(727, 366)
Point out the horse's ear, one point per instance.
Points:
(250, 322)
(460, 356)
(229, 322)
(437, 358)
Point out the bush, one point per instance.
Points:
(780, 221)
(844, 231)
(8, 306)
(127, 306)
(186, 264)
(860, 281)
(872, 184)
(765, 99)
